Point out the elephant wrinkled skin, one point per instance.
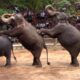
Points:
(6, 49)
(27, 36)
(68, 36)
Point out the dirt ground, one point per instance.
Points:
(60, 68)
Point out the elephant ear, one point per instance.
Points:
(62, 16)
(6, 17)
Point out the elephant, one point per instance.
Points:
(67, 35)
(6, 48)
(26, 34)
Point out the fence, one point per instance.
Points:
(49, 42)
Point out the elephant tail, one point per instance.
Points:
(13, 54)
(46, 52)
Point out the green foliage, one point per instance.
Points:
(37, 5)
(2, 11)
(63, 3)
(32, 4)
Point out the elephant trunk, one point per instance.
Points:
(51, 10)
(6, 17)
(50, 7)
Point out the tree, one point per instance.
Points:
(36, 5)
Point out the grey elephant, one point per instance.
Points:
(6, 48)
(26, 34)
(67, 35)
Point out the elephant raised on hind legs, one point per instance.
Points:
(68, 36)
(26, 34)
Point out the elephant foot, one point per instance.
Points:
(75, 64)
(37, 64)
(7, 64)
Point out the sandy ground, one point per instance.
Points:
(60, 68)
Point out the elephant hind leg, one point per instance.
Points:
(36, 57)
(8, 61)
(8, 58)
(74, 61)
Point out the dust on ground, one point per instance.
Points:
(60, 68)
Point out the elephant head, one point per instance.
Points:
(12, 18)
(6, 17)
(60, 16)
